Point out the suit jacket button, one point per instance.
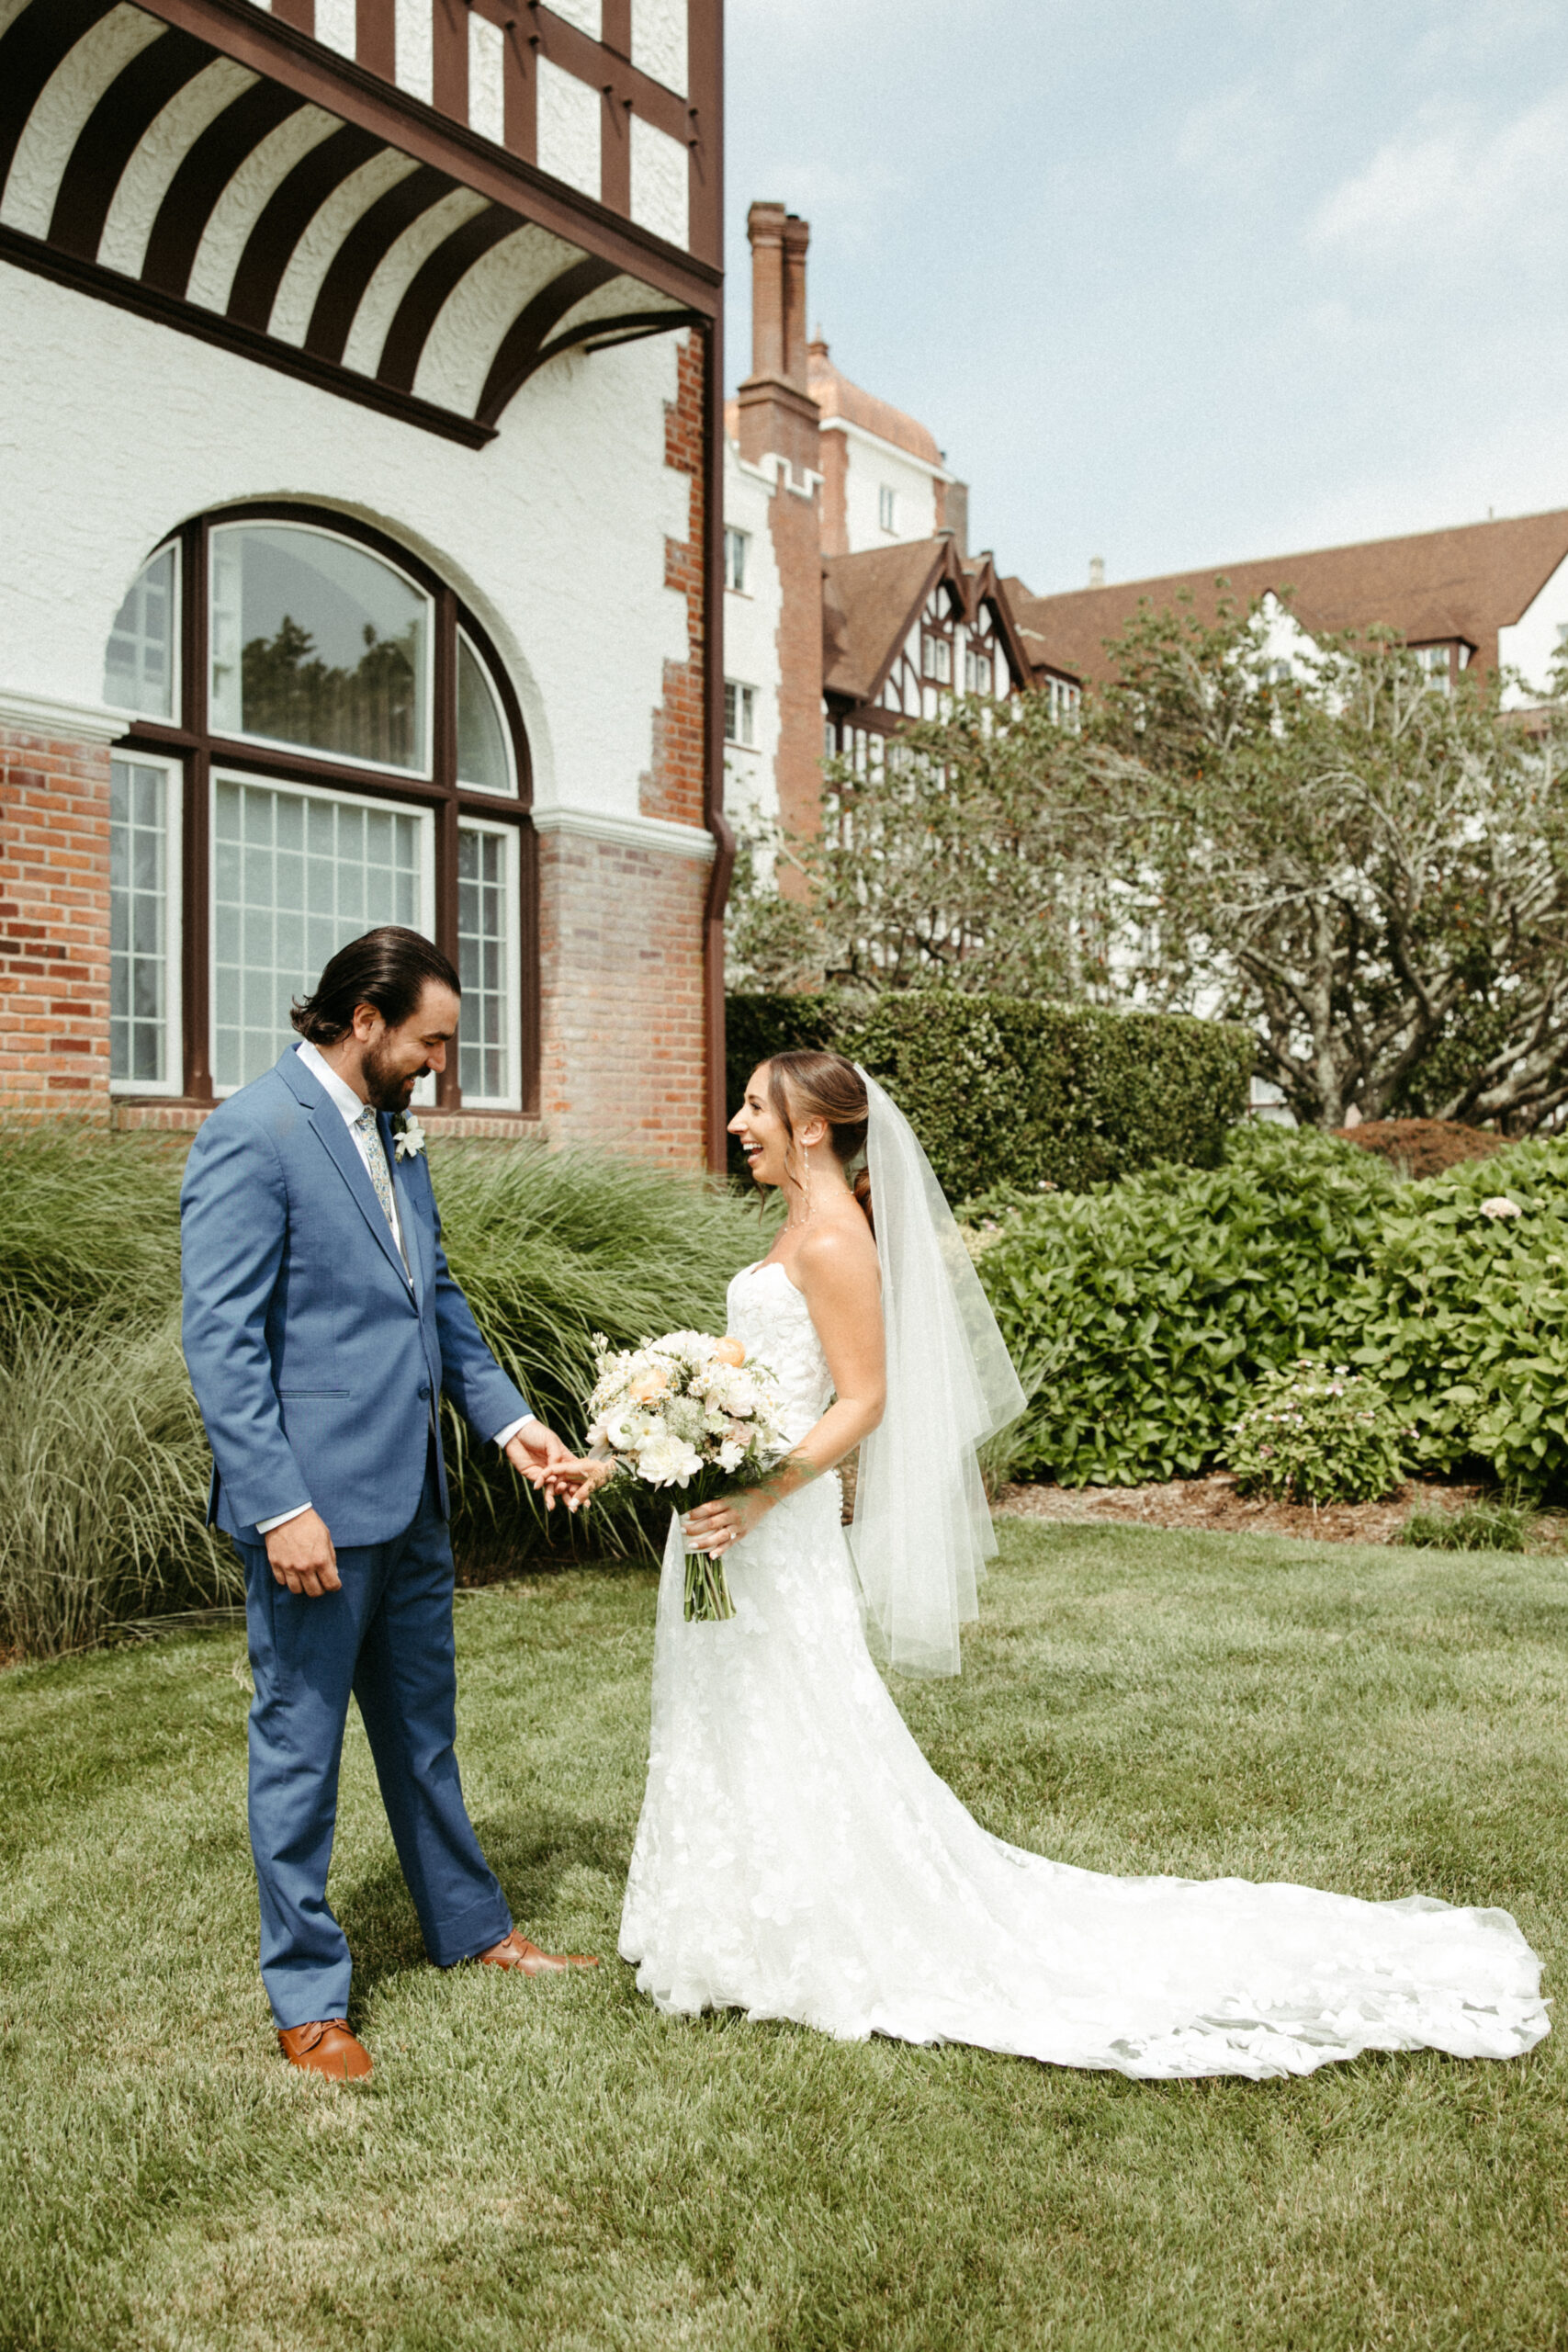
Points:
(425, 1388)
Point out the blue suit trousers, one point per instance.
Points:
(387, 1638)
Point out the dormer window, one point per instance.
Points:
(936, 659)
(1435, 666)
(888, 508)
(977, 671)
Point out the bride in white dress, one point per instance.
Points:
(797, 1858)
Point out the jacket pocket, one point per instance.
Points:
(290, 1391)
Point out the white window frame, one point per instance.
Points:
(424, 1093)
(171, 717)
(936, 658)
(512, 1099)
(173, 932)
(464, 782)
(735, 573)
(745, 709)
(887, 508)
(424, 774)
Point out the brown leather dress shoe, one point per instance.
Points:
(325, 2048)
(515, 1952)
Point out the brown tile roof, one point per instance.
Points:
(1468, 584)
(836, 396)
(867, 602)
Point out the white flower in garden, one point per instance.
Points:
(1500, 1205)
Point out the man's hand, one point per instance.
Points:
(550, 1466)
(303, 1556)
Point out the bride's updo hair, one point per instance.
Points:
(807, 1084)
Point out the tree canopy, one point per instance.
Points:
(1369, 870)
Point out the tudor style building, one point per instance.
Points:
(363, 546)
(1491, 594)
(853, 605)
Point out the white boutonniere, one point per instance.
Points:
(409, 1140)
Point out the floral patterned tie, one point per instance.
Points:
(380, 1176)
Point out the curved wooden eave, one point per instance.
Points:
(256, 187)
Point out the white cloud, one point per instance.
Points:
(1453, 185)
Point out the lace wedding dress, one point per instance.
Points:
(797, 1858)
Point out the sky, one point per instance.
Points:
(1179, 282)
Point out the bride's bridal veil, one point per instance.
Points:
(922, 1533)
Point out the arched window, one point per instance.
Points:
(320, 738)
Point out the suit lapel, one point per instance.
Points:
(328, 1123)
(414, 1236)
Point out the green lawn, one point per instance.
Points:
(553, 2164)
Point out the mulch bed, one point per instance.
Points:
(1213, 1505)
(1423, 1146)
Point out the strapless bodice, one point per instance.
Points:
(766, 1311)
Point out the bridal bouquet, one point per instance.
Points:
(687, 1410)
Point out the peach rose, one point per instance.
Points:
(647, 1387)
(731, 1351)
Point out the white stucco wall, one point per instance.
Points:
(113, 430)
(569, 129)
(1535, 637)
(661, 179)
(751, 639)
(659, 42)
(872, 462)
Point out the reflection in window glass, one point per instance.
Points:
(139, 919)
(294, 877)
(139, 665)
(317, 642)
(483, 763)
(484, 958)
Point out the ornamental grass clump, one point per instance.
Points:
(1317, 1433)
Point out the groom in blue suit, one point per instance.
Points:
(322, 1329)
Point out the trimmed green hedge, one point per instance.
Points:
(1004, 1091)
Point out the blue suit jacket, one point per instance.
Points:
(314, 1358)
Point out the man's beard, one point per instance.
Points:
(389, 1089)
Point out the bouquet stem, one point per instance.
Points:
(707, 1590)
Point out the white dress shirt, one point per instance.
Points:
(350, 1105)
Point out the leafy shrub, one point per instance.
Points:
(1463, 1312)
(104, 1465)
(1147, 1310)
(1489, 1523)
(1143, 1314)
(1316, 1433)
(1008, 1092)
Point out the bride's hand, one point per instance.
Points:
(714, 1527)
(570, 1479)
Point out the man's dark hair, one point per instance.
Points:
(388, 968)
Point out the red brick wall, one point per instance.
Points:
(673, 786)
(621, 974)
(54, 924)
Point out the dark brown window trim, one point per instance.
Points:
(229, 335)
(200, 752)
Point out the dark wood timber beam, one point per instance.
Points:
(340, 86)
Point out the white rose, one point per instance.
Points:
(666, 1461)
(731, 1455)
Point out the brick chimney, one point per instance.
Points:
(779, 427)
